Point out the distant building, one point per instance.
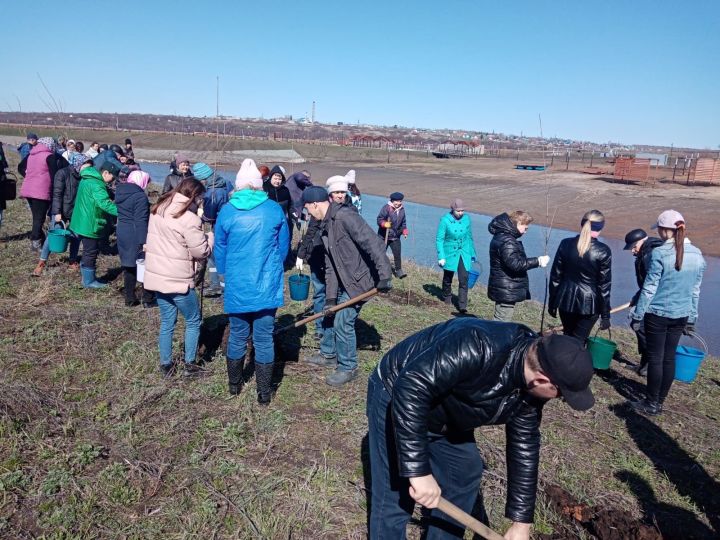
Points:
(655, 159)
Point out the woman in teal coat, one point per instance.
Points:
(456, 252)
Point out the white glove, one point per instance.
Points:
(441, 262)
(543, 260)
(299, 264)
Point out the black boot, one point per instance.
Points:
(130, 283)
(263, 379)
(235, 371)
(647, 406)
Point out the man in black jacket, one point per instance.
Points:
(355, 262)
(508, 283)
(433, 389)
(641, 246)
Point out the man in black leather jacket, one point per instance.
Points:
(433, 389)
(355, 262)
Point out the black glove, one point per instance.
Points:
(553, 312)
(329, 304)
(689, 329)
(605, 323)
(384, 285)
(635, 324)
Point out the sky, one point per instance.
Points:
(635, 72)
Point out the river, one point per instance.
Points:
(420, 247)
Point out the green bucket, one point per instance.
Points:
(58, 240)
(601, 350)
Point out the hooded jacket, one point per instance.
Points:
(132, 223)
(508, 281)
(92, 205)
(65, 186)
(457, 376)
(355, 256)
(280, 195)
(173, 179)
(581, 285)
(251, 243)
(173, 245)
(297, 184)
(395, 217)
(217, 193)
(454, 241)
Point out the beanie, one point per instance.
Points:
(336, 183)
(457, 204)
(202, 171)
(350, 176)
(396, 196)
(248, 176)
(181, 158)
(313, 194)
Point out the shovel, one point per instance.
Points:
(467, 520)
(334, 309)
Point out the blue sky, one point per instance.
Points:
(628, 71)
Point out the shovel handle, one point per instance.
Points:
(467, 520)
(347, 303)
(620, 308)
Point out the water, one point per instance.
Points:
(420, 247)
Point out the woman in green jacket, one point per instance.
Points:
(455, 251)
(92, 206)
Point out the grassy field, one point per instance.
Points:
(94, 444)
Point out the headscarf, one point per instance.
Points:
(48, 142)
(139, 178)
(77, 160)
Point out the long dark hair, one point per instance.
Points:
(352, 188)
(190, 188)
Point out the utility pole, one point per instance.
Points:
(312, 119)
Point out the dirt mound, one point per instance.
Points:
(602, 523)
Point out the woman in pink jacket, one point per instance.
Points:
(175, 243)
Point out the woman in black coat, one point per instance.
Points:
(277, 191)
(508, 283)
(133, 215)
(580, 279)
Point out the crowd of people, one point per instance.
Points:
(430, 391)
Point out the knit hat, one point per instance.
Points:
(181, 158)
(669, 219)
(202, 171)
(336, 183)
(350, 176)
(32, 135)
(128, 141)
(313, 194)
(396, 196)
(139, 178)
(248, 176)
(457, 204)
(77, 160)
(70, 141)
(283, 170)
(48, 142)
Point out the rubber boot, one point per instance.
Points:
(89, 280)
(129, 289)
(39, 268)
(263, 379)
(235, 371)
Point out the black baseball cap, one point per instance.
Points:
(568, 364)
(313, 194)
(110, 167)
(633, 237)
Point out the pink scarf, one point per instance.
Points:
(139, 178)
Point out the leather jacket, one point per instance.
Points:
(581, 285)
(460, 375)
(508, 281)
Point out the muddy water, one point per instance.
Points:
(420, 247)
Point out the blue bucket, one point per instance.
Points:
(688, 360)
(473, 276)
(299, 287)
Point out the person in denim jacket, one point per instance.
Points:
(667, 306)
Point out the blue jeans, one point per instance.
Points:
(74, 244)
(212, 270)
(338, 338)
(456, 465)
(318, 283)
(189, 306)
(262, 323)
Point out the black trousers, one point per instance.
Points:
(462, 284)
(91, 248)
(396, 249)
(577, 325)
(662, 336)
(130, 277)
(39, 209)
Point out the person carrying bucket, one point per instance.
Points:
(251, 242)
(508, 283)
(580, 279)
(392, 224)
(455, 252)
(641, 246)
(355, 262)
(64, 190)
(667, 306)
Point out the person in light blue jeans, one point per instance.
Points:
(188, 305)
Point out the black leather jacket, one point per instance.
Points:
(457, 376)
(64, 190)
(508, 281)
(581, 285)
(642, 263)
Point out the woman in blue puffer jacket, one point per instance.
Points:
(251, 242)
